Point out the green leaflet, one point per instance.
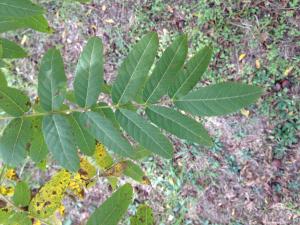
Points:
(140, 153)
(14, 218)
(188, 77)
(144, 133)
(1, 49)
(219, 99)
(60, 141)
(134, 69)
(14, 140)
(113, 209)
(89, 74)
(3, 82)
(52, 81)
(178, 124)
(166, 69)
(22, 194)
(19, 8)
(11, 50)
(38, 149)
(13, 101)
(135, 172)
(143, 216)
(36, 22)
(85, 141)
(104, 131)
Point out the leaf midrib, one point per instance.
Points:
(190, 75)
(180, 125)
(16, 141)
(216, 99)
(136, 124)
(89, 74)
(168, 67)
(132, 74)
(60, 142)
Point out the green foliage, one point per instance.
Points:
(89, 74)
(11, 50)
(143, 216)
(67, 129)
(134, 69)
(113, 209)
(22, 195)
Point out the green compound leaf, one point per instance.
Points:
(60, 141)
(22, 194)
(178, 124)
(13, 101)
(166, 69)
(134, 69)
(187, 78)
(52, 81)
(37, 22)
(113, 209)
(1, 49)
(143, 216)
(144, 133)
(38, 149)
(11, 50)
(219, 99)
(104, 131)
(83, 139)
(89, 74)
(14, 140)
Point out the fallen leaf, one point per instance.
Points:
(109, 21)
(245, 112)
(242, 56)
(288, 71)
(257, 64)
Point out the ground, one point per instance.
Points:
(251, 174)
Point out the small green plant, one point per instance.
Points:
(81, 131)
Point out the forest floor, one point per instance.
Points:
(252, 173)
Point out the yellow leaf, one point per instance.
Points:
(87, 170)
(257, 64)
(11, 174)
(116, 170)
(245, 112)
(61, 210)
(49, 198)
(103, 159)
(242, 56)
(109, 21)
(288, 71)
